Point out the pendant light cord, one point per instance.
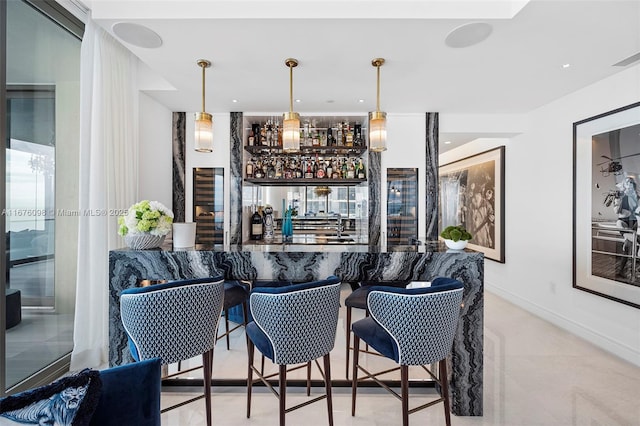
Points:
(203, 87)
(290, 88)
(378, 89)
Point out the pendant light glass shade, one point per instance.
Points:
(291, 132)
(204, 121)
(204, 132)
(378, 131)
(378, 119)
(291, 120)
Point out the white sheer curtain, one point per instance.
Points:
(108, 181)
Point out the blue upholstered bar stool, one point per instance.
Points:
(236, 293)
(413, 327)
(175, 321)
(292, 326)
(358, 299)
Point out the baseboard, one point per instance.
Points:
(605, 343)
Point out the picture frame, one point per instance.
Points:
(606, 210)
(471, 194)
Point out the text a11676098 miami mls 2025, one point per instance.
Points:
(63, 212)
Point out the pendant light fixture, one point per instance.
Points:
(291, 120)
(204, 120)
(378, 119)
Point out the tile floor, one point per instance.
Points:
(534, 374)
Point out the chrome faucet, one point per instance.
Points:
(339, 227)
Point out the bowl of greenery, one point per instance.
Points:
(456, 237)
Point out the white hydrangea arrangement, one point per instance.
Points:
(146, 217)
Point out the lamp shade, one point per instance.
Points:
(291, 132)
(378, 131)
(204, 132)
(291, 120)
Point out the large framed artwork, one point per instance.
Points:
(606, 205)
(472, 195)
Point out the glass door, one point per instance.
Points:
(208, 205)
(402, 207)
(42, 95)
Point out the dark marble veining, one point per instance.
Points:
(375, 190)
(128, 267)
(235, 184)
(178, 144)
(431, 176)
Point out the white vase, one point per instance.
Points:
(184, 234)
(143, 241)
(456, 245)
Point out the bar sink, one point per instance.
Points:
(332, 239)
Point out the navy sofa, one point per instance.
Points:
(118, 396)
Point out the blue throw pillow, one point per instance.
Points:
(68, 401)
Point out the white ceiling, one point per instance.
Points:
(517, 69)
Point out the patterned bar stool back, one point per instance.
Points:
(300, 324)
(413, 327)
(175, 321)
(293, 326)
(422, 325)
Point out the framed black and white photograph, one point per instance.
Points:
(606, 204)
(471, 194)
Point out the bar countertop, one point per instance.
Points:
(311, 244)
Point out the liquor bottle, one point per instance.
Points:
(255, 130)
(249, 169)
(357, 135)
(307, 135)
(271, 170)
(288, 171)
(269, 133)
(336, 170)
(279, 130)
(339, 135)
(351, 171)
(362, 174)
(257, 225)
(279, 171)
(329, 171)
(330, 139)
(309, 173)
(263, 135)
(257, 170)
(320, 172)
(275, 135)
(345, 169)
(323, 139)
(349, 135)
(345, 130)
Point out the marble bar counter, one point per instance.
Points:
(305, 263)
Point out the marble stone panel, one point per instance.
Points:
(178, 148)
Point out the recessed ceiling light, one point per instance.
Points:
(447, 142)
(136, 34)
(330, 101)
(361, 100)
(566, 65)
(234, 101)
(298, 100)
(468, 34)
